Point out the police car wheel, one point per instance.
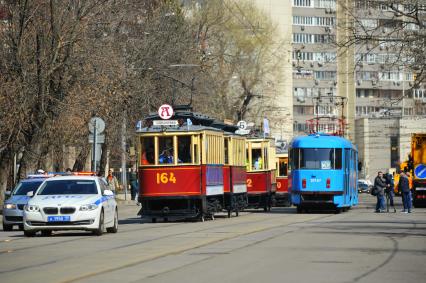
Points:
(46, 233)
(100, 230)
(114, 228)
(29, 233)
(7, 227)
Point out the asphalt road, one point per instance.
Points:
(280, 246)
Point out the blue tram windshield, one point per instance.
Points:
(318, 158)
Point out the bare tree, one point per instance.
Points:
(238, 47)
(393, 27)
(46, 64)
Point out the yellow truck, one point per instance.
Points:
(417, 165)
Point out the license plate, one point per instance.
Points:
(58, 218)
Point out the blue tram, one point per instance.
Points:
(324, 172)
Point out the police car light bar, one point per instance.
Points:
(84, 173)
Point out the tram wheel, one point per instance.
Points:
(229, 213)
(166, 219)
(337, 210)
(237, 213)
(299, 209)
(154, 220)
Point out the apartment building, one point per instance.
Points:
(383, 84)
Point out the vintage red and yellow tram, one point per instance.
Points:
(190, 168)
(282, 196)
(260, 166)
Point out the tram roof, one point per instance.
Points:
(176, 129)
(197, 119)
(321, 141)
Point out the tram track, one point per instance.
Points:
(87, 236)
(211, 229)
(117, 268)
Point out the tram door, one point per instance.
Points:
(347, 174)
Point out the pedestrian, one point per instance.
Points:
(134, 184)
(404, 186)
(380, 185)
(390, 191)
(112, 182)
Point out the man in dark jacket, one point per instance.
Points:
(404, 186)
(134, 184)
(389, 191)
(380, 184)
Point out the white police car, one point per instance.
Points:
(13, 207)
(71, 203)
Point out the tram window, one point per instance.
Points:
(256, 157)
(283, 168)
(318, 158)
(295, 158)
(147, 156)
(184, 149)
(338, 158)
(196, 158)
(165, 149)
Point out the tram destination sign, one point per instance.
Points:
(165, 123)
(242, 132)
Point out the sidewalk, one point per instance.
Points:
(121, 198)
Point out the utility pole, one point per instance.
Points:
(123, 156)
(345, 63)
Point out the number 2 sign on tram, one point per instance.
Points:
(165, 111)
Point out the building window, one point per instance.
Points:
(328, 4)
(302, 3)
(301, 20)
(302, 74)
(302, 38)
(394, 149)
(304, 56)
(325, 75)
(325, 21)
(325, 57)
(368, 23)
(304, 110)
(390, 76)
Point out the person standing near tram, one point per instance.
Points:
(390, 190)
(112, 182)
(404, 186)
(380, 185)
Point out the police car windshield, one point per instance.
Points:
(24, 187)
(68, 187)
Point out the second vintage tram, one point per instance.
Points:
(261, 179)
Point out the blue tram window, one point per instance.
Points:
(338, 158)
(320, 158)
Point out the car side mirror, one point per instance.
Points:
(30, 194)
(108, 193)
(7, 194)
